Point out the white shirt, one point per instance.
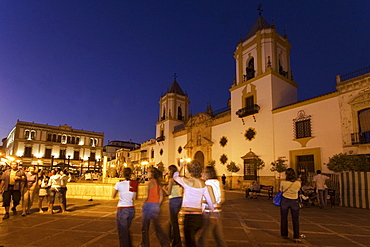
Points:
(193, 196)
(215, 184)
(125, 195)
(55, 181)
(320, 181)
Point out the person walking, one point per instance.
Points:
(319, 182)
(10, 187)
(127, 190)
(212, 221)
(29, 190)
(194, 191)
(151, 209)
(174, 192)
(290, 188)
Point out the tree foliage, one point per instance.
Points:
(278, 166)
(343, 162)
(259, 164)
(232, 167)
(212, 163)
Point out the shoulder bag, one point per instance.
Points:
(277, 198)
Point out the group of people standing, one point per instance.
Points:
(18, 185)
(197, 196)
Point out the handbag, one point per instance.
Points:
(277, 198)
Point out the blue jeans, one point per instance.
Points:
(175, 206)
(293, 205)
(323, 195)
(150, 212)
(124, 218)
(212, 227)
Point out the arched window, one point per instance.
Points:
(54, 137)
(250, 69)
(164, 114)
(33, 134)
(27, 134)
(179, 113)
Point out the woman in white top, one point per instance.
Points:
(212, 221)
(127, 190)
(194, 190)
(290, 188)
(54, 184)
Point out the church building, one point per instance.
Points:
(264, 118)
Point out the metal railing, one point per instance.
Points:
(355, 73)
(249, 110)
(360, 138)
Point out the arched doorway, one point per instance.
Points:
(199, 156)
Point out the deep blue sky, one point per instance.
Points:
(103, 65)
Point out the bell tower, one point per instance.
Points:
(173, 111)
(265, 54)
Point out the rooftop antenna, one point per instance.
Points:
(260, 8)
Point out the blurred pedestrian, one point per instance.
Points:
(289, 201)
(212, 221)
(127, 190)
(194, 191)
(151, 209)
(174, 192)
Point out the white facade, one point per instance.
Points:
(265, 116)
(46, 145)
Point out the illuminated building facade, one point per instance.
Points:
(264, 118)
(47, 145)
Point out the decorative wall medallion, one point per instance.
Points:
(250, 134)
(161, 151)
(223, 141)
(179, 150)
(223, 159)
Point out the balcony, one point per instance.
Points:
(360, 138)
(160, 139)
(249, 110)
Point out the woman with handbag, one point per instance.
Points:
(289, 200)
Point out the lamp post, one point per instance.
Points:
(69, 158)
(52, 161)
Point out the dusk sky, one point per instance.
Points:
(103, 65)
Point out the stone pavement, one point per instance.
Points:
(246, 222)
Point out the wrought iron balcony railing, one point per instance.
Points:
(249, 110)
(160, 139)
(360, 138)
